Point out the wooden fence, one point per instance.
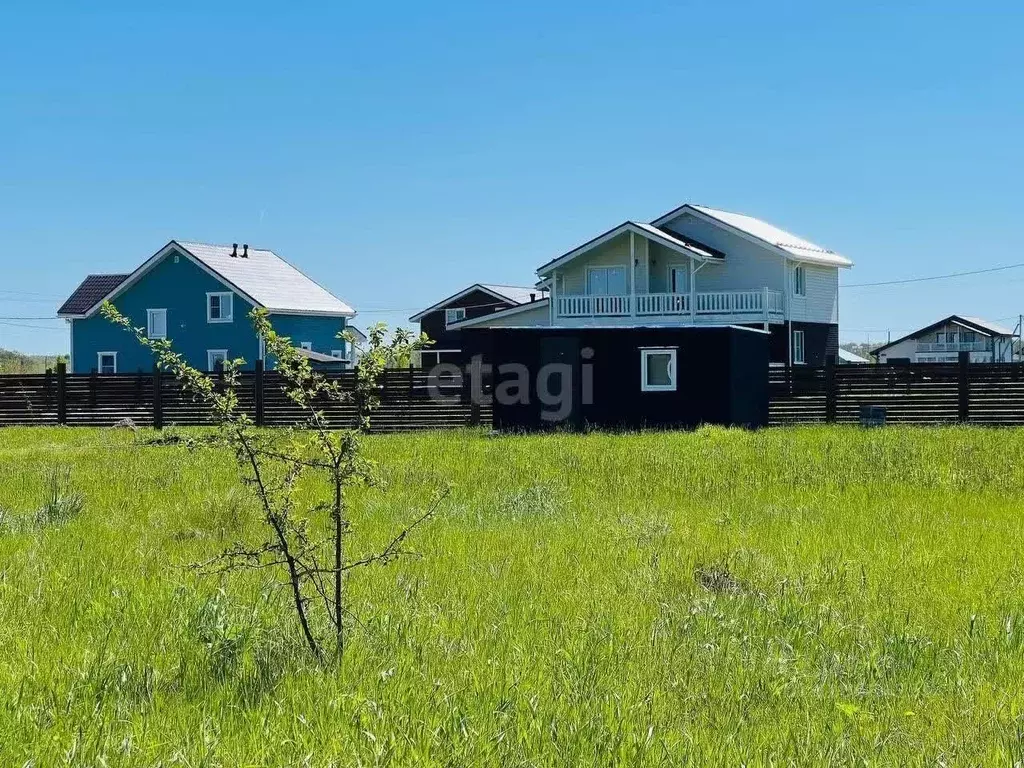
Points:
(919, 393)
(939, 393)
(409, 399)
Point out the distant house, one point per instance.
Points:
(476, 301)
(199, 296)
(942, 342)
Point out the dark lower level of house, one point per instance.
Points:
(623, 378)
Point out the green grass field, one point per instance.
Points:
(805, 596)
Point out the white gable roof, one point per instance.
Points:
(270, 280)
(264, 278)
(797, 247)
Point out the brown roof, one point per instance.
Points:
(92, 289)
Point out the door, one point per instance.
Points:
(679, 280)
(561, 385)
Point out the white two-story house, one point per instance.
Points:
(693, 266)
(942, 342)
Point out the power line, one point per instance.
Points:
(935, 277)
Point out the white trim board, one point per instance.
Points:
(473, 321)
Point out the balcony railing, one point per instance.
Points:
(954, 346)
(752, 305)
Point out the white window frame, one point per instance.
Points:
(608, 268)
(230, 316)
(799, 280)
(210, 353)
(150, 314)
(306, 345)
(645, 353)
(458, 313)
(99, 361)
(799, 348)
(338, 354)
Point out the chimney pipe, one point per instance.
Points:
(245, 250)
(234, 250)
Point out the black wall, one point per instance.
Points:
(821, 340)
(722, 376)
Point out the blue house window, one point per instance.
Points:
(219, 307)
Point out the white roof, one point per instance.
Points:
(851, 357)
(798, 247)
(268, 279)
(995, 328)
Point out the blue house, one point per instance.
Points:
(199, 296)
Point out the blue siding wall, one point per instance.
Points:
(322, 332)
(180, 287)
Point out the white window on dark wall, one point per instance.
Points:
(798, 347)
(658, 369)
(306, 345)
(156, 323)
(215, 359)
(799, 281)
(454, 315)
(106, 362)
(219, 307)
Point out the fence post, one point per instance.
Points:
(62, 393)
(257, 392)
(964, 387)
(158, 408)
(830, 389)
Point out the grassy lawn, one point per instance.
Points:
(804, 596)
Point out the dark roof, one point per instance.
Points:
(92, 289)
(692, 243)
(974, 323)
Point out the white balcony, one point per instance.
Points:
(954, 346)
(760, 305)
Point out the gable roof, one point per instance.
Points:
(509, 294)
(779, 239)
(976, 324)
(90, 291)
(671, 240)
(264, 278)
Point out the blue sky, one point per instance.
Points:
(398, 152)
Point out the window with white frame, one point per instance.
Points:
(215, 359)
(658, 369)
(106, 362)
(306, 345)
(338, 354)
(606, 281)
(156, 323)
(798, 347)
(799, 281)
(220, 307)
(454, 315)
